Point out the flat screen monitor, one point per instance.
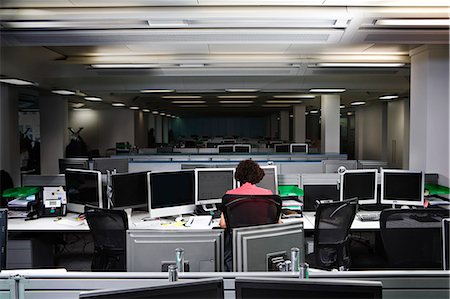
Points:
(319, 187)
(361, 184)
(73, 163)
(83, 187)
(270, 179)
(104, 164)
(242, 148)
(198, 288)
(212, 183)
(332, 166)
(282, 148)
(403, 187)
(171, 193)
(299, 148)
(225, 148)
(306, 288)
(260, 248)
(129, 190)
(203, 249)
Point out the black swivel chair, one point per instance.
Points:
(412, 238)
(332, 234)
(247, 210)
(108, 228)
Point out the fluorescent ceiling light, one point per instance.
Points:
(155, 112)
(342, 106)
(93, 99)
(17, 81)
(360, 64)
(349, 113)
(327, 90)
(145, 110)
(391, 97)
(275, 105)
(181, 97)
(134, 107)
(169, 115)
(241, 90)
(191, 65)
(237, 97)
(167, 23)
(413, 22)
(358, 103)
(64, 92)
(173, 116)
(284, 102)
(236, 102)
(157, 90)
(235, 105)
(193, 106)
(291, 115)
(77, 105)
(294, 96)
(314, 111)
(82, 109)
(162, 113)
(306, 113)
(118, 104)
(188, 102)
(125, 65)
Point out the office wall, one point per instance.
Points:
(220, 126)
(103, 128)
(398, 134)
(369, 132)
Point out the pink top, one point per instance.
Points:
(249, 189)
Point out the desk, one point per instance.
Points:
(357, 224)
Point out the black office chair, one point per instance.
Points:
(332, 234)
(247, 210)
(108, 228)
(412, 238)
(3, 237)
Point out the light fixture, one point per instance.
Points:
(167, 23)
(118, 104)
(342, 106)
(360, 64)
(236, 102)
(358, 103)
(388, 97)
(275, 105)
(162, 113)
(241, 90)
(173, 116)
(82, 109)
(193, 106)
(77, 105)
(134, 107)
(314, 111)
(124, 65)
(294, 96)
(17, 81)
(291, 115)
(93, 99)
(413, 22)
(349, 113)
(284, 101)
(156, 90)
(155, 112)
(325, 90)
(237, 97)
(192, 65)
(64, 92)
(182, 97)
(306, 113)
(145, 110)
(188, 102)
(169, 115)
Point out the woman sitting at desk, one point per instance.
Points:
(248, 173)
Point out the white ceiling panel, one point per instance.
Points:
(246, 49)
(168, 48)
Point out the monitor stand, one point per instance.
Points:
(209, 207)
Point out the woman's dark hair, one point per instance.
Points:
(249, 171)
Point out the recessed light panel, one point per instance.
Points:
(327, 90)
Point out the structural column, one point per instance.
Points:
(54, 132)
(330, 123)
(429, 111)
(165, 128)
(284, 125)
(274, 131)
(9, 132)
(299, 123)
(158, 129)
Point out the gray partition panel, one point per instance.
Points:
(43, 180)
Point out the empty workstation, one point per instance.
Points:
(130, 130)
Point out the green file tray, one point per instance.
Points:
(290, 190)
(434, 189)
(20, 192)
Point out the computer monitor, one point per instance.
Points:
(306, 288)
(403, 187)
(299, 148)
(270, 179)
(260, 248)
(171, 193)
(129, 190)
(282, 148)
(360, 183)
(198, 288)
(242, 148)
(83, 187)
(319, 187)
(225, 148)
(332, 166)
(154, 250)
(212, 183)
(104, 164)
(73, 163)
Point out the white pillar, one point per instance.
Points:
(140, 129)
(330, 123)
(429, 111)
(165, 127)
(9, 132)
(54, 132)
(158, 129)
(299, 123)
(284, 125)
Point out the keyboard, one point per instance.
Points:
(368, 216)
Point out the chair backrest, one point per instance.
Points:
(412, 238)
(250, 210)
(108, 228)
(333, 221)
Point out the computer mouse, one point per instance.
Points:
(404, 207)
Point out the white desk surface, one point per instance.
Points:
(356, 225)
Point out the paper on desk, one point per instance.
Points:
(70, 222)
